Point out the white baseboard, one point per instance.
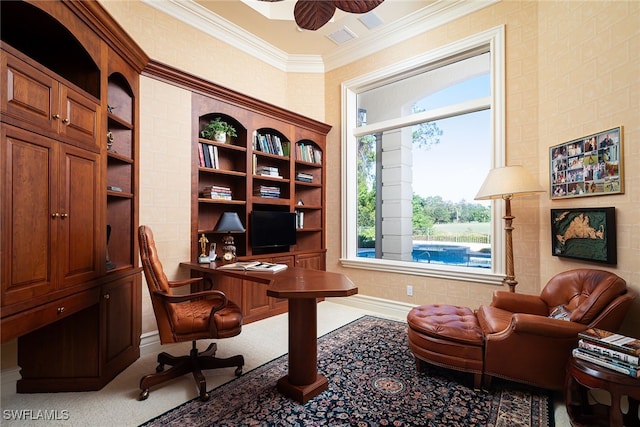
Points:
(393, 309)
(150, 343)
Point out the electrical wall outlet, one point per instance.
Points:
(409, 290)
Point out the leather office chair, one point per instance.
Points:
(186, 317)
(524, 344)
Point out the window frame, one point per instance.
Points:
(494, 40)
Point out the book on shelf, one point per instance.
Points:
(268, 267)
(271, 144)
(308, 153)
(208, 155)
(608, 352)
(304, 177)
(267, 191)
(299, 219)
(614, 365)
(270, 171)
(612, 340)
(216, 192)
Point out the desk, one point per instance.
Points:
(301, 286)
(583, 376)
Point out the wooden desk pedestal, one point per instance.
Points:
(302, 287)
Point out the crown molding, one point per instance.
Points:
(421, 21)
(435, 15)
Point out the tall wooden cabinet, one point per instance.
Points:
(71, 291)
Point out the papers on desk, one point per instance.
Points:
(267, 267)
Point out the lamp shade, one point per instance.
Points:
(230, 222)
(507, 181)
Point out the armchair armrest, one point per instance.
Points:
(175, 299)
(520, 303)
(178, 283)
(523, 323)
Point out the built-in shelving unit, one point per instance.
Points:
(262, 168)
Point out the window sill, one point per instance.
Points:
(424, 269)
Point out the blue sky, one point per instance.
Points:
(455, 168)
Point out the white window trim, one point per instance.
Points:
(495, 39)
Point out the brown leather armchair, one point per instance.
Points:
(524, 344)
(186, 317)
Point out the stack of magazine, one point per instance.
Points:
(268, 267)
(610, 350)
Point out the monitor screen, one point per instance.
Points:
(272, 229)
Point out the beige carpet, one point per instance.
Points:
(117, 405)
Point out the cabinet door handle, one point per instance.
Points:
(60, 310)
(66, 121)
(64, 215)
(55, 215)
(56, 117)
(107, 296)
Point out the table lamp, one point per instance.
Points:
(230, 223)
(505, 183)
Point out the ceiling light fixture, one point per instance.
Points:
(313, 14)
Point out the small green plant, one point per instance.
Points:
(217, 126)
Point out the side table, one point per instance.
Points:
(583, 376)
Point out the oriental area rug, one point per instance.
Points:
(372, 382)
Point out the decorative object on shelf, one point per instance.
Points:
(212, 252)
(203, 258)
(218, 130)
(229, 223)
(588, 166)
(109, 141)
(587, 233)
(110, 265)
(505, 183)
(313, 14)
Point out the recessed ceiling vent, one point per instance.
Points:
(342, 35)
(370, 20)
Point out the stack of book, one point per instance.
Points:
(610, 350)
(304, 177)
(216, 192)
(271, 171)
(267, 191)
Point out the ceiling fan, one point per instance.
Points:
(313, 14)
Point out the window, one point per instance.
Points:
(420, 137)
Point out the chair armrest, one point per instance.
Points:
(175, 299)
(522, 323)
(178, 283)
(519, 303)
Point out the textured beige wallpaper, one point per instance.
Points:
(571, 69)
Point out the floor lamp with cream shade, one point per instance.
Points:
(505, 183)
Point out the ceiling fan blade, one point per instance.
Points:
(313, 14)
(357, 6)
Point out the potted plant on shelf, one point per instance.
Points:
(218, 130)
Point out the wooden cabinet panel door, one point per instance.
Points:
(28, 94)
(79, 118)
(79, 252)
(119, 312)
(29, 162)
(313, 261)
